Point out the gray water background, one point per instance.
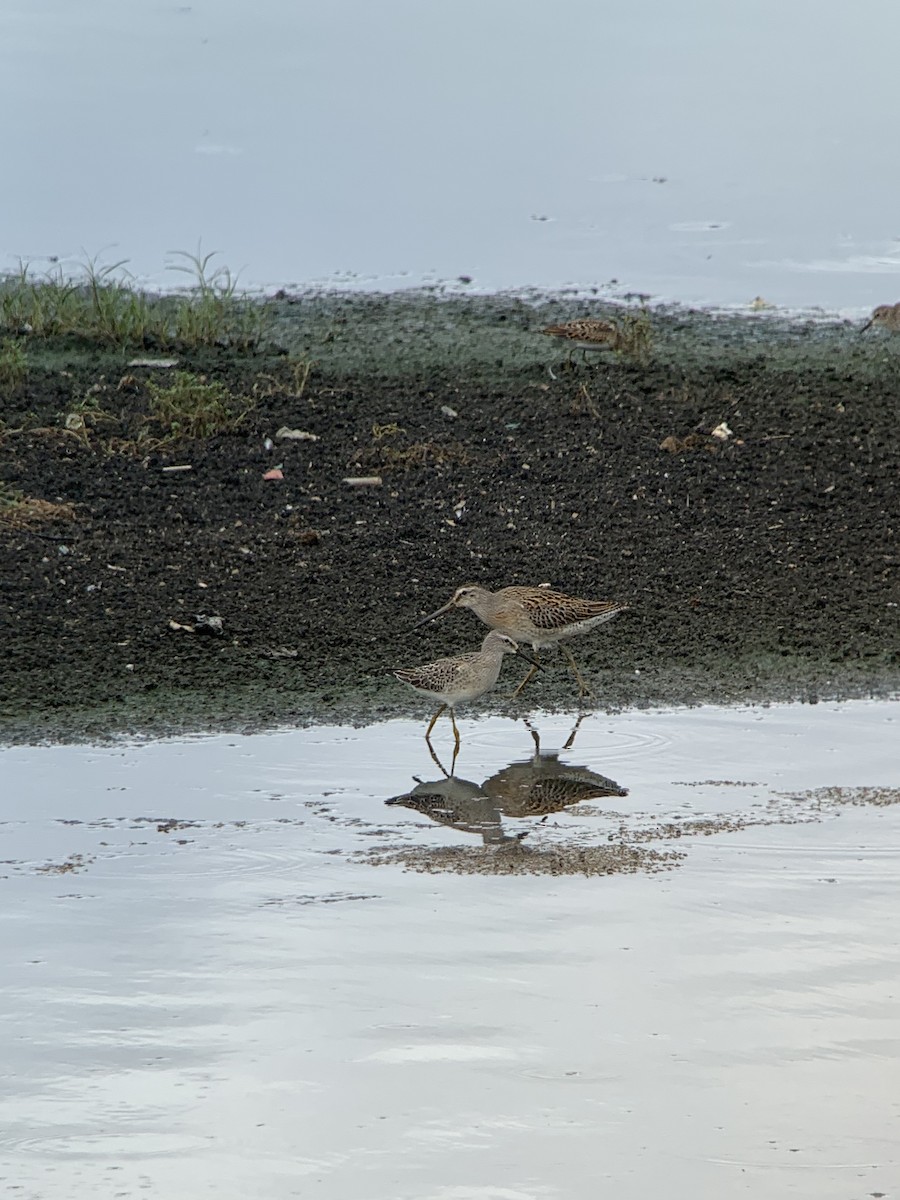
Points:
(693, 150)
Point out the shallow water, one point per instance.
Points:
(213, 985)
(697, 151)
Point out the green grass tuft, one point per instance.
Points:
(213, 312)
(634, 335)
(13, 364)
(193, 407)
(101, 303)
(10, 498)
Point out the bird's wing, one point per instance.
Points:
(554, 610)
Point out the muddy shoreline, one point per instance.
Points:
(761, 566)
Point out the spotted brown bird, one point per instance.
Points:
(462, 677)
(534, 615)
(586, 333)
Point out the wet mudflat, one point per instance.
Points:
(187, 579)
(664, 958)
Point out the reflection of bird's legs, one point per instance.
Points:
(521, 686)
(583, 689)
(455, 734)
(437, 762)
(433, 719)
(570, 741)
(435, 758)
(453, 762)
(535, 736)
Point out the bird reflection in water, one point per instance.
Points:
(541, 785)
(533, 787)
(459, 804)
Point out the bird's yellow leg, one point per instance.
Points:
(456, 736)
(583, 689)
(433, 720)
(521, 686)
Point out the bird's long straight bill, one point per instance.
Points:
(520, 653)
(432, 616)
(868, 325)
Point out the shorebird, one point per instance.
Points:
(462, 677)
(587, 334)
(887, 315)
(533, 615)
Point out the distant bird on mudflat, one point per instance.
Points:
(886, 315)
(586, 333)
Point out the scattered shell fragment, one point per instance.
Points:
(295, 435)
(180, 467)
(275, 473)
(202, 624)
(208, 624)
(360, 481)
(449, 412)
(162, 364)
(722, 432)
(74, 421)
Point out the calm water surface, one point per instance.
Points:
(211, 989)
(693, 150)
